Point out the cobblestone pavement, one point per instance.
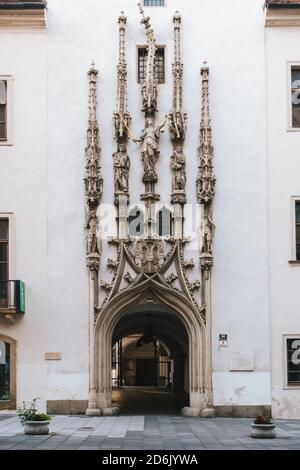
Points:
(146, 433)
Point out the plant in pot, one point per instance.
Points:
(263, 428)
(34, 423)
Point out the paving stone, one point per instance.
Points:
(148, 433)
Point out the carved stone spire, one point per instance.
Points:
(177, 121)
(149, 84)
(206, 180)
(151, 133)
(122, 118)
(122, 122)
(93, 180)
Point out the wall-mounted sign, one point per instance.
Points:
(52, 356)
(223, 341)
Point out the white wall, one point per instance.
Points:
(231, 38)
(283, 169)
(79, 34)
(23, 182)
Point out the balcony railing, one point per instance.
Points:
(12, 297)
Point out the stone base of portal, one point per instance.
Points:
(196, 412)
(111, 411)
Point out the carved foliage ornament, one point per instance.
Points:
(152, 268)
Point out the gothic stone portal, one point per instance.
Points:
(174, 323)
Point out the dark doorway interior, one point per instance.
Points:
(145, 372)
(150, 362)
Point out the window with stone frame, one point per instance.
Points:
(154, 3)
(3, 110)
(4, 250)
(159, 64)
(4, 371)
(295, 95)
(297, 229)
(293, 360)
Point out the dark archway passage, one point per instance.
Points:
(150, 362)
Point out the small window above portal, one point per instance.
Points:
(154, 3)
(159, 64)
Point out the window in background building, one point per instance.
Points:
(4, 371)
(154, 3)
(297, 229)
(159, 64)
(3, 261)
(3, 110)
(293, 360)
(295, 88)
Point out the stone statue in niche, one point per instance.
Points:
(177, 123)
(208, 232)
(178, 167)
(150, 148)
(122, 166)
(93, 245)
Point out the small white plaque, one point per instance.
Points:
(242, 361)
(52, 356)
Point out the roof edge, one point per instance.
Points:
(23, 5)
(271, 5)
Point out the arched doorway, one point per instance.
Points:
(8, 348)
(150, 363)
(156, 297)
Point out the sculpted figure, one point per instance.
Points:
(92, 239)
(122, 166)
(150, 149)
(177, 125)
(178, 167)
(149, 97)
(208, 231)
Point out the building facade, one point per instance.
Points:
(141, 184)
(282, 68)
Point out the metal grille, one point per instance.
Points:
(159, 64)
(154, 3)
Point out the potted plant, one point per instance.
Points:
(34, 422)
(263, 428)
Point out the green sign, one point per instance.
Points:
(21, 297)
